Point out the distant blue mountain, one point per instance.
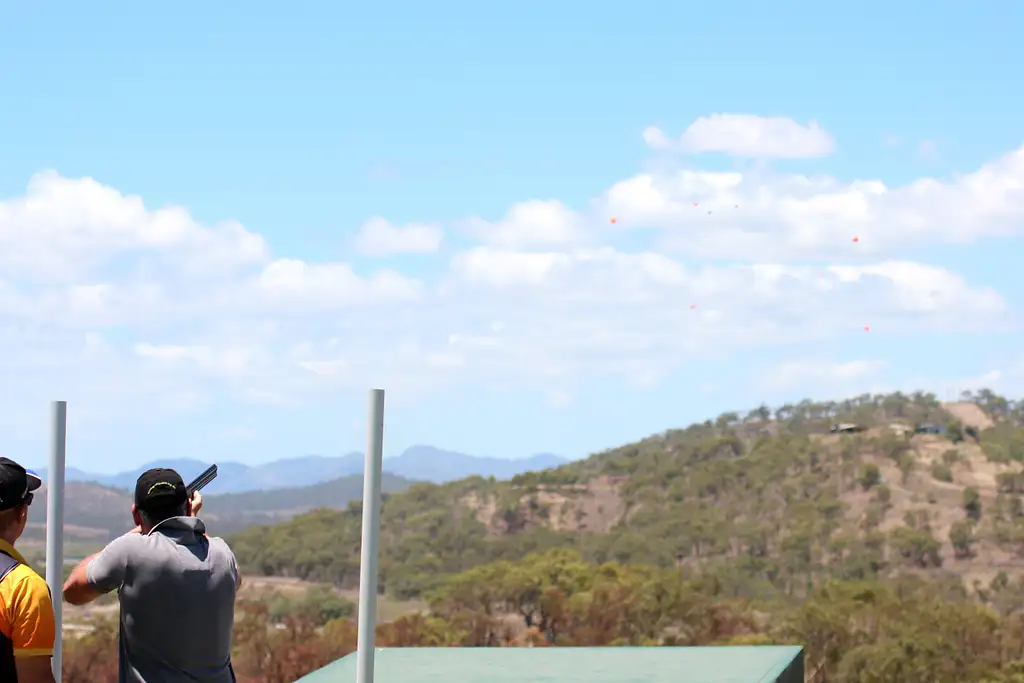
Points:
(423, 463)
(427, 463)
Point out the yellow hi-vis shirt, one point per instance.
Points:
(27, 626)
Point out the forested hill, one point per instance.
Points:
(770, 501)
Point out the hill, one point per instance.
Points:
(422, 463)
(771, 501)
(95, 513)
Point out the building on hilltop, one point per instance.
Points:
(900, 429)
(929, 428)
(846, 428)
(727, 664)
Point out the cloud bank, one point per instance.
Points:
(124, 302)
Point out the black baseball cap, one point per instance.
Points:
(159, 490)
(16, 483)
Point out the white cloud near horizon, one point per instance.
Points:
(104, 298)
(797, 379)
(801, 373)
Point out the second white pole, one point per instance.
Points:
(370, 550)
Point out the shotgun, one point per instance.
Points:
(202, 480)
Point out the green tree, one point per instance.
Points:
(870, 475)
(917, 547)
(961, 535)
(955, 431)
(972, 502)
(941, 471)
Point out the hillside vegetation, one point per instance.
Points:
(769, 503)
(906, 629)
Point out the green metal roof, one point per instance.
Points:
(734, 664)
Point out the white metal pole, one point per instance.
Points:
(370, 546)
(55, 525)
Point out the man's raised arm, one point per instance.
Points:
(99, 573)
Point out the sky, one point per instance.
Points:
(540, 227)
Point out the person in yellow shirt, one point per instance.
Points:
(27, 625)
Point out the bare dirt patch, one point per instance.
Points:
(969, 415)
(594, 506)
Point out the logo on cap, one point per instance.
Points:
(160, 484)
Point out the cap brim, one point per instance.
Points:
(34, 480)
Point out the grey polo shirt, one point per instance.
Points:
(177, 593)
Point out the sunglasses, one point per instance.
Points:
(28, 498)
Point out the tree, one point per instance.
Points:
(917, 547)
(972, 503)
(955, 431)
(725, 420)
(870, 475)
(906, 464)
(941, 471)
(961, 535)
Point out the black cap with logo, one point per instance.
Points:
(159, 490)
(16, 484)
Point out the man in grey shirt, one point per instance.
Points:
(176, 587)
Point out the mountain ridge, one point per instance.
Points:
(418, 462)
(95, 514)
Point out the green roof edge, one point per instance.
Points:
(776, 673)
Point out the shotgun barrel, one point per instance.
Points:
(202, 480)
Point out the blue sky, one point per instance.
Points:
(303, 123)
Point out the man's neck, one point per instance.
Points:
(9, 537)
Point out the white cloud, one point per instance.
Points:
(656, 139)
(746, 135)
(218, 362)
(920, 288)
(63, 228)
(762, 216)
(1006, 378)
(531, 223)
(377, 237)
(952, 389)
(602, 311)
(821, 374)
(130, 305)
(295, 283)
